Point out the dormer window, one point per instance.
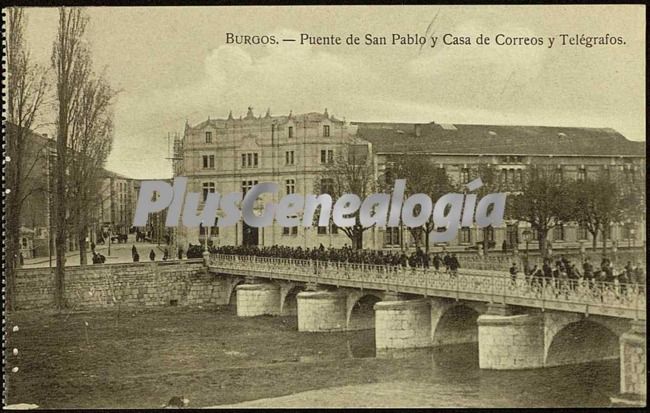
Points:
(290, 131)
(208, 137)
(326, 131)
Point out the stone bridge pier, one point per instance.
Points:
(508, 337)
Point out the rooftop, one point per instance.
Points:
(496, 139)
(250, 116)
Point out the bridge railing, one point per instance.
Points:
(493, 286)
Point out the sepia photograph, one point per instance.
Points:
(256, 206)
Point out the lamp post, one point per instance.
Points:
(526, 234)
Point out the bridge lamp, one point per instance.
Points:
(526, 234)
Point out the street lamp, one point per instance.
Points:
(526, 234)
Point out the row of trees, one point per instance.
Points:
(75, 99)
(545, 199)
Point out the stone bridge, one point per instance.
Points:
(518, 324)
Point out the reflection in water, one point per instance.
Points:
(452, 377)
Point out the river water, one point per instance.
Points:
(442, 377)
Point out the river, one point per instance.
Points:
(444, 377)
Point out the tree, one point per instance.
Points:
(91, 137)
(594, 202)
(545, 202)
(70, 61)
(421, 178)
(490, 179)
(350, 172)
(27, 87)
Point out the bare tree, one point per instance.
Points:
(26, 87)
(350, 172)
(91, 137)
(490, 179)
(71, 62)
(543, 202)
(421, 178)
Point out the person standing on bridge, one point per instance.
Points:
(437, 261)
(588, 271)
(513, 273)
(447, 261)
(454, 265)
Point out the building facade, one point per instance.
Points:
(117, 204)
(232, 155)
(575, 153)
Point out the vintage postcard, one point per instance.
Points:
(324, 206)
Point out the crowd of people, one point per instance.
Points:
(566, 272)
(560, 271)
(416, 259)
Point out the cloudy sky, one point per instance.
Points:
(171, 64)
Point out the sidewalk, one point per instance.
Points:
(120, 253)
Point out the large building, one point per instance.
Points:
(231, 155)
(576, 153)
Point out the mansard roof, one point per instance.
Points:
(497, 139)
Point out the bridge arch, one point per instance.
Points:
(455, 322)
(289, 299)
(571, 338)
(231, 290)
(360, 310)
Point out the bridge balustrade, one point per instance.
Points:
(616, 299)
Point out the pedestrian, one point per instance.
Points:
(92, 246)
(152, 255)
(136, 257)
(454, 265)
(513, 272)
(437, 261)
(166, 254)
(180, 253)
(447, 261)
(134, 250)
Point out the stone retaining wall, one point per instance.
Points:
(132, 284)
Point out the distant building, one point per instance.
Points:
(577, 153)
(114, 211)
(117, 203)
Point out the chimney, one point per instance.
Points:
(418, 130)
